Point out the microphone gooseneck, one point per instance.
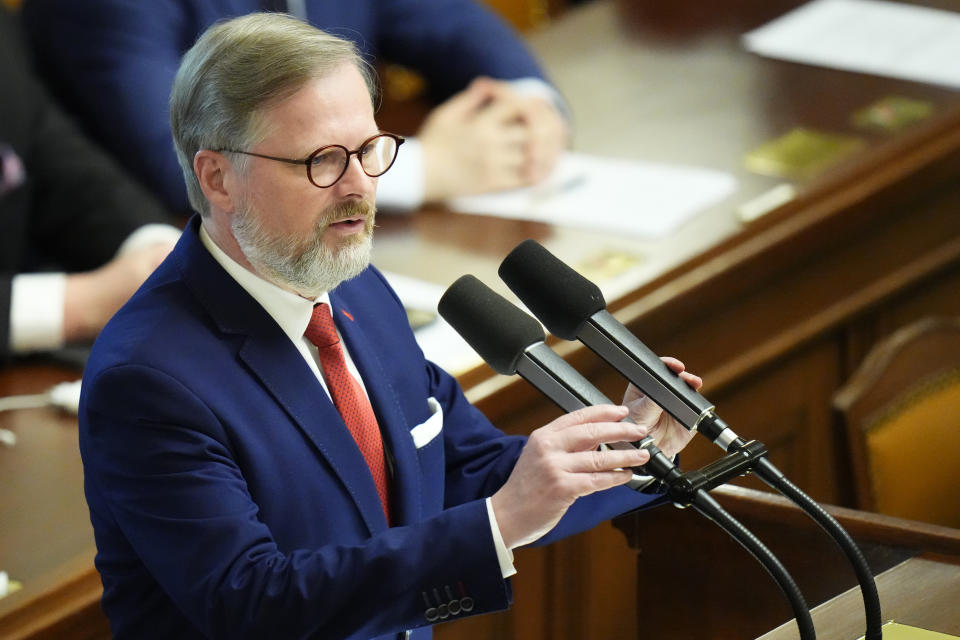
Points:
(513, 342)
(572, 307)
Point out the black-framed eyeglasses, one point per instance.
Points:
(326, 165)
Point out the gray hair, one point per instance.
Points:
(235, 71)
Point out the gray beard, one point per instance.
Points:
(308, 266)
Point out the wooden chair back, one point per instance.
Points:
(901, 411)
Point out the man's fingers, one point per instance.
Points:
(548, 136)
(501, 111)
(596, 413)
(675, 365)
(467, 103)
(693, 380)
(590, 435)
(606, 460)
(680, 369)
(607, 480)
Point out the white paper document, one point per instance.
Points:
(870, 36)
(607, 194)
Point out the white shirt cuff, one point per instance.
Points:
(401, 188)
(36, 311)
(147, 235)
(504, 555)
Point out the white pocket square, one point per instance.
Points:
(429, 429)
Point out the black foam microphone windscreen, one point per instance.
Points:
(556, 294)
(495, 328)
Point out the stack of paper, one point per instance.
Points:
(870, 36)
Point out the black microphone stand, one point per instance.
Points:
(744, 457)
(685, 489)
(545, 284)
(477, 313)
(712, 426)
(690, 490)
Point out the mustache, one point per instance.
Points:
(349, 210)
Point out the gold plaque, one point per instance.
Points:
(606, 265)
(11, 586)
(891, 114)
(801, 154)
(419, 317)
(897, 631)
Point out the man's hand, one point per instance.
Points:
(488, 138)
(669, 435)
(561, 463)
(94, 296)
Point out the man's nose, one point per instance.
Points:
(355, 179)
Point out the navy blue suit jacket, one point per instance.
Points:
(112, 62)
(228, 498)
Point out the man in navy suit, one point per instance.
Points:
(112, 62)
(231, 490)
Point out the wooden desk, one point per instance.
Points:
(46, 541)
(921, 592)
(774, 314)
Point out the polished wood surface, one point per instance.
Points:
(697, 582)
(922, 592)
(775, 313)
(46, 540)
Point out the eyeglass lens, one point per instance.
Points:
(376, 156)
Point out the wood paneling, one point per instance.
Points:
(705, 585)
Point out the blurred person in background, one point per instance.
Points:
(77, 235)
(500, 126)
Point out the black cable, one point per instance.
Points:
(868, 586)
(710, 508)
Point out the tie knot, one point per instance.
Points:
(321, 330)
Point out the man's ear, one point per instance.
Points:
(213, 171)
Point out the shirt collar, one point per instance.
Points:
(289, 310)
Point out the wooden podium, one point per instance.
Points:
(696, 582)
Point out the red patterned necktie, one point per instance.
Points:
(349, 397)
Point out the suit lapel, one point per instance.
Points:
(280, 368)
(394, 425)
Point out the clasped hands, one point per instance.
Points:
(562, 460)
(488, 138)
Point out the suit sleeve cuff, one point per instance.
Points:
(504, 555)
(36, 312)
